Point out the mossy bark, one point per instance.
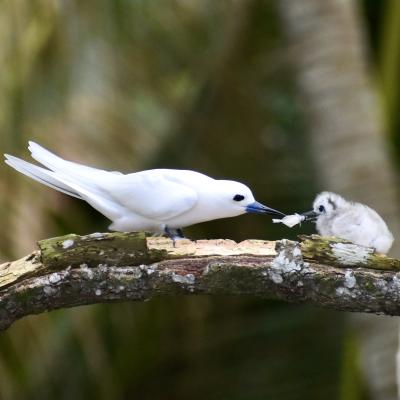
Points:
(75, 270)
(342, 253)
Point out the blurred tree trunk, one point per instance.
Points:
(348, 142)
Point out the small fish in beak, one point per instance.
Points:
(290, 220)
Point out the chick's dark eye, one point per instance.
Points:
(238, 197)
(321, 208)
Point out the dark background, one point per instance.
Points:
(222, 88)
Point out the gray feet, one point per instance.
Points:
(174, 234)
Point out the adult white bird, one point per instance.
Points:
(353, 221)
(158, 200)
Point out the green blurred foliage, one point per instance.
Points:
(128, 85)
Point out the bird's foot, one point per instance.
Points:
(174, 234)
(179, 231)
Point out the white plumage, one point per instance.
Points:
(159, 200)
(335, 216)
(353, 221)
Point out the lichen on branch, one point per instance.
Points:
(104, 267)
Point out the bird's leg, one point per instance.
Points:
(180, 233)
(174, 234)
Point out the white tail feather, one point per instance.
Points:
(70, 178)
(39, 174)
(56, 163)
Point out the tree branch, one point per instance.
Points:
(75, 270)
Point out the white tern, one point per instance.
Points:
(338, 217)
(158, 200)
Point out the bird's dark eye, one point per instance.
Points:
(321, 209)
(238, 197)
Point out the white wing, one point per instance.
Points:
(347, 225)
(360, 225)
(155, 194)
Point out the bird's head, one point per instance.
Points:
(326, 204)
(239, 198)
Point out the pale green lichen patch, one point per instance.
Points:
(289, 258)
(55, 278)
(49, 290)
(66, 244)
(342, 253)
(396, 282)
(351, 254)
(89, 274)
(187, 279)
(349, 279)
(284, 264)
(343, 291)
(275, 276)
(288, 261)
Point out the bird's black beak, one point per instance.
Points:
(310, 215)
(258, 208)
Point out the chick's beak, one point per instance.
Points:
(258, 208)
(310, 215)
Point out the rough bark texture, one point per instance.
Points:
(75, 270)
